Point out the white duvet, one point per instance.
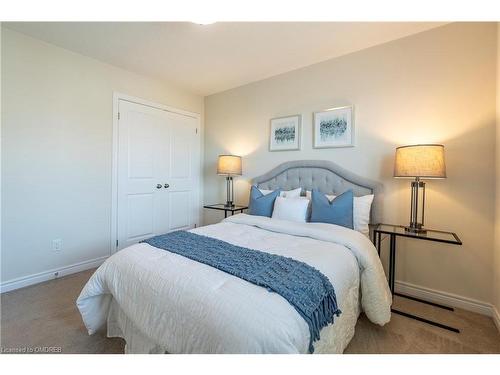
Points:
(160, 301)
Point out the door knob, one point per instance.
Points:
(158, 186)
(166, 186)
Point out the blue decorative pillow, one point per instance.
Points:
(339, 211)
(260, 204)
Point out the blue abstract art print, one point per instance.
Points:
(285, 133)
(334, 128)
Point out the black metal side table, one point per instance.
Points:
(223, 207)
(393, 231)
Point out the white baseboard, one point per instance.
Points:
(24, 281)
(445, 298)
(496, 318)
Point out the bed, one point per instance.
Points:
(162, 302)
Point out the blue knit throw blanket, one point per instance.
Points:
(304, 287)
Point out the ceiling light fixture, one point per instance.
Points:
(203, 22)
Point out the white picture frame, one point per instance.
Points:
(285, 133)
(334, 127)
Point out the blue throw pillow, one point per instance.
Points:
(339, 211)
(260, 204)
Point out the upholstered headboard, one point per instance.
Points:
(325, 176)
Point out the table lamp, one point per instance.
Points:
(229, 166)
(419, 162)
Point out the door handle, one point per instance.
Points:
(158, 186)
(166, 186)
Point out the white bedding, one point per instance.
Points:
(160, 301)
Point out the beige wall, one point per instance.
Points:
(56, 151)
(435, 86)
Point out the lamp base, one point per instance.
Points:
(230, 193)
(416, 226)
(418, 230)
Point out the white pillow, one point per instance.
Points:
(291, 209)
(295, 193)
(360, 211)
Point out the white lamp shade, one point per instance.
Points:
(229, 165)
(423, 161)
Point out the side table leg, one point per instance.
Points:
(378, 241)
(392, 262)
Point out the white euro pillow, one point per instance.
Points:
(295, 193)
(291, 209)
(361, 211)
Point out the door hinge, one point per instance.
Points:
(118, 115)
(116, 243)
(195, 225)
(196, 130)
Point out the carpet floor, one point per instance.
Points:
(45, 316)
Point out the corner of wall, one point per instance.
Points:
(496, 250)
(0, 143)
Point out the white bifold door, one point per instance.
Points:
(158, 172)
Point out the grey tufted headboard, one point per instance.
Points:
(325, 176)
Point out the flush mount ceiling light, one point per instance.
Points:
(203, 22)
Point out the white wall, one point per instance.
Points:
(56, 152)
(435, 86)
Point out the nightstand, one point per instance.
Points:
(394, 231)
(223, 207)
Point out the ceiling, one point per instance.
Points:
(206, 59)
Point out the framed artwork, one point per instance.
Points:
(334, 128)
(285, 133)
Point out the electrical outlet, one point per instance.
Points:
(57, 245)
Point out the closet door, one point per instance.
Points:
(183, 172)
(158, 172)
